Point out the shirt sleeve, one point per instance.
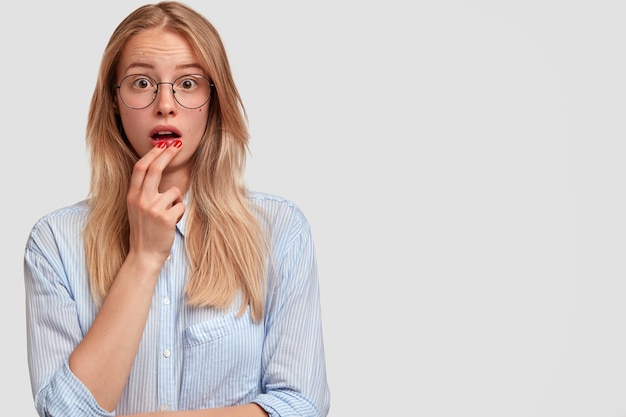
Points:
(52, 333)
(294, 381)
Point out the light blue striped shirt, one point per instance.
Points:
(188, 358)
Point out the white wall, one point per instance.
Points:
(461, 164)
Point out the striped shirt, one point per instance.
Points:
(189, 357)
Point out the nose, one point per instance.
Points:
(165, 103)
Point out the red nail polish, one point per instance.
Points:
(178, 144)
(161, 145)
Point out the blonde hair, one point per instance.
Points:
(225, 246)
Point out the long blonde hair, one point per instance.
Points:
(225, 246)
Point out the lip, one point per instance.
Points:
(164, 133)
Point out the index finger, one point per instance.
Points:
(148, 170)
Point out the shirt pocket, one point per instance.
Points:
(221, 362)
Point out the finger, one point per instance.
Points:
(152, 178)
(141, 167)
(173, 204)
(167, 199)
(178, 210)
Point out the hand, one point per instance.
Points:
(153, 214)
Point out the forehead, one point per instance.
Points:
(157, 49)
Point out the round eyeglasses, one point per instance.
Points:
(139, 91)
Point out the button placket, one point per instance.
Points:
(166, 399)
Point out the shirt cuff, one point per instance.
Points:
(68, 396)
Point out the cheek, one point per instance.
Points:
(131, 120)
(132, 125)
(125, 118)
(202, 118)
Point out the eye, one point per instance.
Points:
(142, 83)
(187, 83)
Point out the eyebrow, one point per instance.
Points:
(150, 66)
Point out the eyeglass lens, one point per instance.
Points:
(138, 91)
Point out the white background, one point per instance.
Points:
(461, 164)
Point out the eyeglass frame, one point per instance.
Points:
(156, 91)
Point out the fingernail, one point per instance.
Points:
(161, 145)
(178, 144)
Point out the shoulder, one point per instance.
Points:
(67, 221)
(279, 216)
(75, 212)
(276, 208)
(260, 198)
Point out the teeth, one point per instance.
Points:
(165, 133)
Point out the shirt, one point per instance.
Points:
(189, 357)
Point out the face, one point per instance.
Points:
(163, 56)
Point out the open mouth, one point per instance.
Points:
(166, 136)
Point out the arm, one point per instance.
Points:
(54, 320)
(294, 374)
(79, 357)
(103, 359)
(248, 410)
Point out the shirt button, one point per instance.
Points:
(166, 301)
(166, 353)
(164, 407)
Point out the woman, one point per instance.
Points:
(172, 287)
